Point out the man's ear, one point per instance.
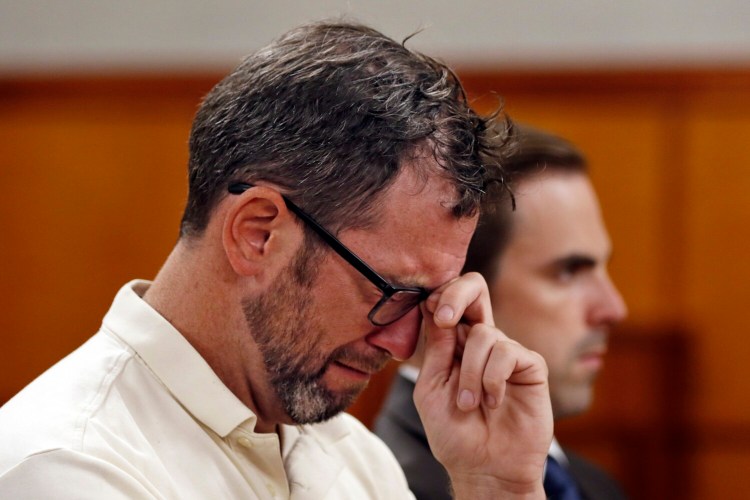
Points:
(259, 232)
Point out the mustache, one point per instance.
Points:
(307, 370)
(371, 362)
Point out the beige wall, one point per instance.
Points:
(60, 35)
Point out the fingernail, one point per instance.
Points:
(445, 313)
(491, 401)
(466, 399)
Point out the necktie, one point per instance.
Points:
(558, 483)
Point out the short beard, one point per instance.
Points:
(287, 335)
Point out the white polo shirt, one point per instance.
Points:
(136, 412)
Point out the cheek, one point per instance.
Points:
(338, 306)
(542, 319)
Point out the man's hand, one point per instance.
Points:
(483, 398)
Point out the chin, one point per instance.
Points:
(315, 404)
(571, 405)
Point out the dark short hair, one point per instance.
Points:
(531, 152)
(330, 112)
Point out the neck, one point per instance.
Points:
(195, 291)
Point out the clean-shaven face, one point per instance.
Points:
(552, 292)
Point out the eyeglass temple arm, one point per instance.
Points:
(338, 247)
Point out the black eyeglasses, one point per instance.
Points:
(396, 301)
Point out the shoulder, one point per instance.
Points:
(97, 404)
(53, 411)
(593, 480)
(66, 474)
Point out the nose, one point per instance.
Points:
(399, 338)
(610, 307)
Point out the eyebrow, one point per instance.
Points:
(575, 260)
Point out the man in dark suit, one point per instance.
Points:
(546, 267)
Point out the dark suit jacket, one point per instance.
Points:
(398, 424)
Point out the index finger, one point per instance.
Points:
(465, 299)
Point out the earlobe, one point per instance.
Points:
(253, 229)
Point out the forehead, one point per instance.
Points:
(557, 213)
(415, 239)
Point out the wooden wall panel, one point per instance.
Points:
(93, 177)
(720, 474)
(623, 142)
(717, 268)
(94, 186)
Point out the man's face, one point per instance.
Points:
(311, 326)
(552, 292)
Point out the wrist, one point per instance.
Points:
(491, 488)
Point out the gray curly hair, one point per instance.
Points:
(329, 112)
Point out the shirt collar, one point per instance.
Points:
(556, 452)
(174, 361)
(409, 372)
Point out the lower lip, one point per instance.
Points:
(351, 372)
(592, 361)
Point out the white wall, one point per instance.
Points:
(71, 35)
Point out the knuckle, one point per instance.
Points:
(470, 378)
(492, 383)
(484, 333)
(541, 362)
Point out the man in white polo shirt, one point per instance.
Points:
(335, 179)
